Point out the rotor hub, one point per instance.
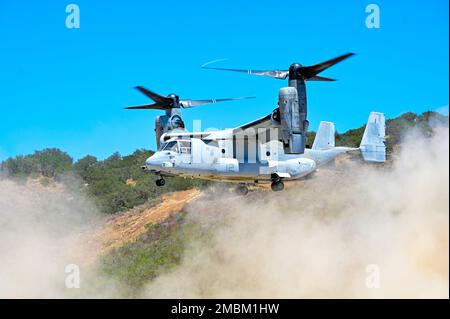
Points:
(294, 71)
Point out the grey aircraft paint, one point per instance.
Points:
(193, 157)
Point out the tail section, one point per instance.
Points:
(325, 136)
(372, 145)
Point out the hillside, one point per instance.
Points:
(114, 184)
(127, 227)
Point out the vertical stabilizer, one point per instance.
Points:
(325, 136)
(372, 145)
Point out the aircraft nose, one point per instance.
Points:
(153, 160)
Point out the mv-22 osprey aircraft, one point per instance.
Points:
(271, 149)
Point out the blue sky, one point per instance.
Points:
(66, 88)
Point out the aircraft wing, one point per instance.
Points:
(260, 127)
(200, 135)
(263, 129)
(261, 123)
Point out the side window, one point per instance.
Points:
(185, 147)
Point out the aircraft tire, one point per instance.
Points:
(277, 186)
(160, 182)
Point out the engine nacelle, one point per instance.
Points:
(159, 130)
(166, 123)
(293, 125)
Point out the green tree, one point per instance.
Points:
(52, 161)
(85, 166)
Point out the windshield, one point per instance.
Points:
(171, 146)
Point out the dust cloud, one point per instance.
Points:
(37, 242)
(359, 231)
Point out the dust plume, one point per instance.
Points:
(359, 231)
(37, 239)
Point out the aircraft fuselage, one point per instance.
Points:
(196, 158)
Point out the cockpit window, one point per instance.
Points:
(171, 146)
(212, 143)
(185, 147)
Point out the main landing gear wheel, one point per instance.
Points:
(242, 190)
(160, 182)
(277, 186)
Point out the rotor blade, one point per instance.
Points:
(192, 103)
(320, 78)
(155, 106)
(277, 74)
(154, 96)
(310, 71)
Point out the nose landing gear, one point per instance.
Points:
(277, 186)
(160, 182)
